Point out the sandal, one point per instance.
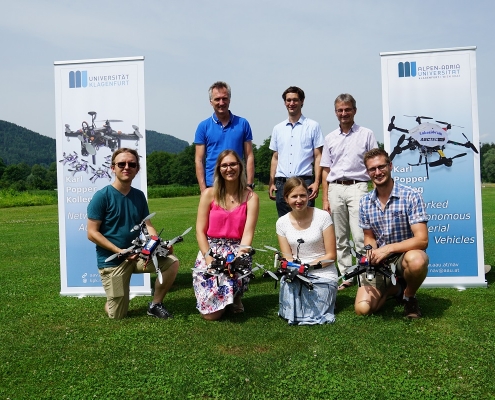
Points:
(345, 285)
(237, 308)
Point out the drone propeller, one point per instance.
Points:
(326, 262)
(109, 120)
(397, 148)
(391, 125)
(449, 126)
(136, 227)
(136, 131)
(158, 271)
(88, 146)
(418, 118)
(303, 278)
(125, 251)
(177, 238)
(469, 145)
(446, 161)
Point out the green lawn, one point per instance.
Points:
(64, 347)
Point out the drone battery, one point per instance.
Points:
(150, 245)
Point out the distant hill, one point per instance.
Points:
(156, 141)
(18, 144)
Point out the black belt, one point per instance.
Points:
(347, 182)
(283, 180)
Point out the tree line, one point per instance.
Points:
(165, 168)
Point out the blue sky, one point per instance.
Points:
(259, 47)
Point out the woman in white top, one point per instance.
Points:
(315, 227)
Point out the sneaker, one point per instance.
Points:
(411, 308)
(158, 311)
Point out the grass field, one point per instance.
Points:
(63, 347)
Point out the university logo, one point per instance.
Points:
(78, 79)
(407, 69)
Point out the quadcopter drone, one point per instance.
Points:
(428, 138)
(295, 269)
(238, 267)
(149, 247)
(69, 158)
(101, 172)
(365, 267)
(93, 137)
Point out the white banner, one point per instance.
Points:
(430, 112)
(99, 107)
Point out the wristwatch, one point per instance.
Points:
(251, 185)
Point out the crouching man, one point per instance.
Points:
(112, 213)
(393, 218)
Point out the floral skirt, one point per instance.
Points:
(214, 293)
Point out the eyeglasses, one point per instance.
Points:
(229, 165)
(122, 164)
(382, 168)
(346, 110)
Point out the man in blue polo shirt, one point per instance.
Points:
(222, 131)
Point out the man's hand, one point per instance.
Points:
(313, 191)
(272, 192)
(326, 206)
(378, 255)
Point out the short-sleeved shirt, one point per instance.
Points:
(217, 138)
(344, 153)
(118, 214)
(313, 246)
(295, 146)
(405, 207)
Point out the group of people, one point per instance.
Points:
(391, 218)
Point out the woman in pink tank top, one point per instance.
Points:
(227, 216)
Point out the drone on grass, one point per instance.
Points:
(92, 138)
(149, 247)
(428, 138)
(295, 269)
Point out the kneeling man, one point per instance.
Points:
(112, 213)
(393, 218)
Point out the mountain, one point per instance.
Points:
(18, 144)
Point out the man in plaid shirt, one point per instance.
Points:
(393, 218)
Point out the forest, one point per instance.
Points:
(28, 160)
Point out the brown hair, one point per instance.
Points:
(219, 182)
(296, 90)
(126, 150)
(292, 183)
(376, 152)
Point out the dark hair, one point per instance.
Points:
(126, 150)
(293, 183)
(219, 85)
(294, 89)
(345, 98)
(219, 182)
(376, 152)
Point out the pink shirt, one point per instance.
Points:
(227, 224)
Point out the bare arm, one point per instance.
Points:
(285, 248)
(251, 220)
(249, 156)
(324, 187)
(200, 168)
(315, 186)
(202, 222)
(273, 169)
(419, 241)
